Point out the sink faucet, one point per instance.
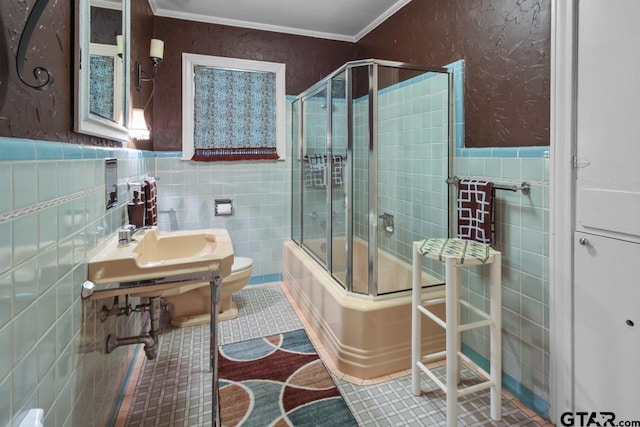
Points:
(126, 232)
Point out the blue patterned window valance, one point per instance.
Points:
(234, 115)
(232, 109)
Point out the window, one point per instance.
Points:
(232, 109)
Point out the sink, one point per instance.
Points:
(157, 249)
(154, 260)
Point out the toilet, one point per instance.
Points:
(190, 305)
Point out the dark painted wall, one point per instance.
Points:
(307, 61)
(506, 48)
(505, 44)
(142, 31)
(39, 114)
(106, 24)
(48, 115)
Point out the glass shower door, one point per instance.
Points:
(359, 102)
(315, 176)
(412, 166)
(296, 156)
(339, 168)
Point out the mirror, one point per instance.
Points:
(102, 67)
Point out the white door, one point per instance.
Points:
(608, 110)
(607, 326)
(606, 282)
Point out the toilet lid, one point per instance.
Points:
(241, 263)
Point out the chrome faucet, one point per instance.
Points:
(126, 232)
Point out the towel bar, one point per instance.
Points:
(524, 187)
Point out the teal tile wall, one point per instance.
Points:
(261, 197)
(361, 138)
(413, 135)
(52, 219)
(522, 236)
(261, 194)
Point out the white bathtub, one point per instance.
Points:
(365, 337)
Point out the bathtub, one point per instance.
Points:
(366, 337)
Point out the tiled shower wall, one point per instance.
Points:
(413, 153)
(52, 218)
(412, 164)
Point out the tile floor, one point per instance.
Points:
(175, 389)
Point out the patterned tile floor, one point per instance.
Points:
(175, 389)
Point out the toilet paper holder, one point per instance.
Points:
(223, 207)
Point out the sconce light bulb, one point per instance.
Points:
(156, 50)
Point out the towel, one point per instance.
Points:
(336, 172)
(151, 201)
(475, 211)
(316, 171)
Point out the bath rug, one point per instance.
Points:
(278, 380)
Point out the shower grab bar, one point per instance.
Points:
(524, 187)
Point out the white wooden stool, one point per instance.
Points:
(457, 253)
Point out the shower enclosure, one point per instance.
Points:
(371, 154)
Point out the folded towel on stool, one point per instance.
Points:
(475, 211)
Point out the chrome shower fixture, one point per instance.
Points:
(387, 222)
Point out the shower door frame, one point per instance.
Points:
(302, 143)
(373, 65)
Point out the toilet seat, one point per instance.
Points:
(241, 263)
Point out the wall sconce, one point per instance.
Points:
(139, 128)
(156, 53)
